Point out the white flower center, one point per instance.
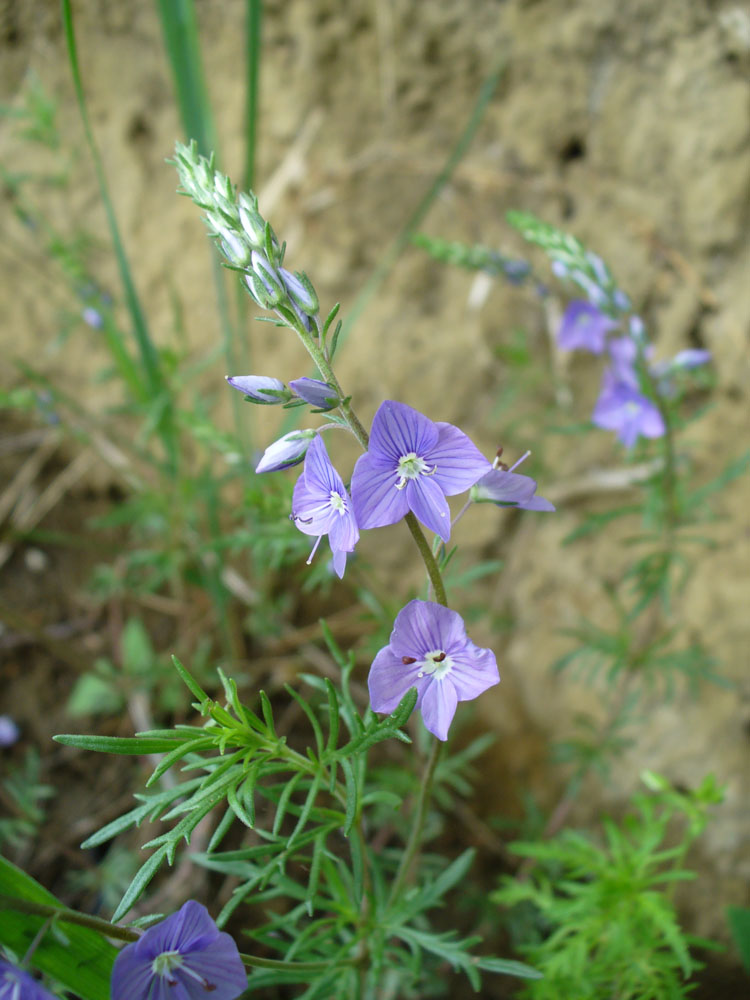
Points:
(410, 466)
(337, 502)
(436, 663)
(164, 963)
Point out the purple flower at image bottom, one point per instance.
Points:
(622, 408)
(584, 327)
(15, 984)
(321, 506)
(430, 651)
(185, 957)
(413, 464)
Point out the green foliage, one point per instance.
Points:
(77, 957)
(24, 797)
(606, 922)
(739, 924)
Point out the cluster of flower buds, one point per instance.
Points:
(246, 239)
(269, 391)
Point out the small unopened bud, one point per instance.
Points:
(301, 291)
(260, 388)
(289, 450)
(252, 221)
(235, 250)
(318, 394)
(269, 277)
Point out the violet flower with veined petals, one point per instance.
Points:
(413, 464)
(15, 984)
(584, 327)
(430, 651)
(622, 408)
(321, 506)
(185, 957)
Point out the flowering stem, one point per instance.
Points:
(325, 369)
(415, 837)
(433, 570)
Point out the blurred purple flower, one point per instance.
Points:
(185, 957)
(318, 394)
(15, 984)
(321, 506)
(260, 388)
(92, 317)
(692, 358)
(430, 651)
(9, 731)
(584, 327)
(413, 464)
(622, 408)
(289, 450)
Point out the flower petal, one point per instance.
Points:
(439, 707)
(343, 534)
(220, 965)
(376, 500)
(459, 462)
(424, 626)
(389, 680)
(427, 501)
(398, 430)
(474, 670)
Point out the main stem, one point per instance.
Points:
(415, 836)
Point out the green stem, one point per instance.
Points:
(433, 570)
(415, 837)
(102, 927)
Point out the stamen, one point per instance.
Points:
(521, 459)
(439, 658)
(406, 660)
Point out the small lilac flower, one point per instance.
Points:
(321, 506)
(413, 464)
(318, 394)
(622, 408)
(585, 327)
(692, 358)
(623, 353)
(260, 388)
(289, 450)
(15, 984)
(9, 731)
(185, 957)
(621, 300)
(506, 488)
(93, 318)
(430, 651)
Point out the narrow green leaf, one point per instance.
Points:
(319, 845)
(351, 794)
(119, 744)
(139, 883)
(739, 924)
(284, 801)
(333, 716)
(311, 718)
(191, 683)
(507, 967)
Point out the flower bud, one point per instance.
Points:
(289, 450)
(300, 291)
(235, 249)
(259, 388)
(252, 222)
(269, 277)
(318, 394)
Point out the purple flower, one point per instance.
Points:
(502, 487)
(429, 650)
(584, 326)
(185, 957)
(289, 450)
(682, 360)
(15, 984)
(321, 506)
(93, 318)
(260, 388)
(9, 731)
(318, 394)
(413, 464)
(622, 408)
